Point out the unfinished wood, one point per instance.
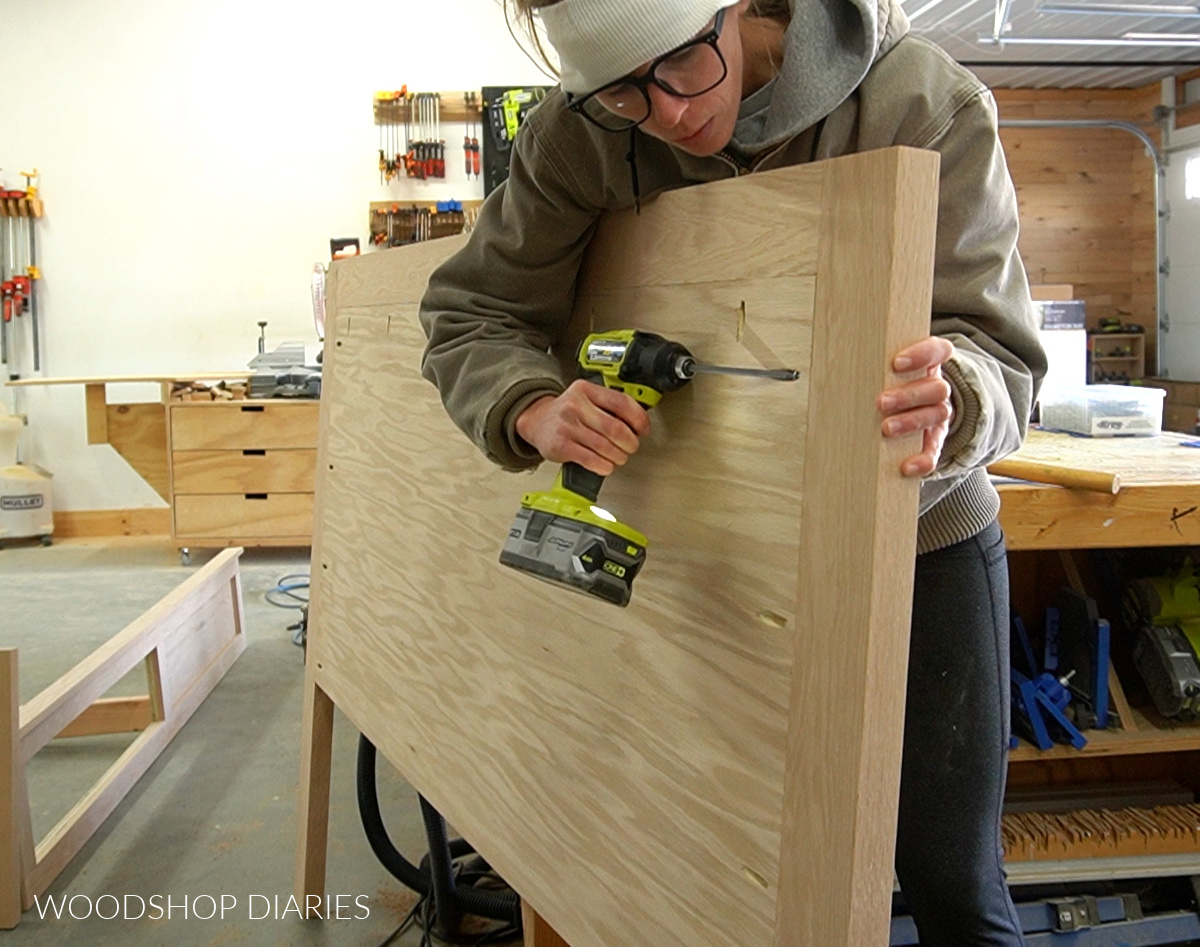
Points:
(1072, 477)
(1045, 517)
(243, 516)
(844, 895)
(315, 768)
(149, 521)
(10, 783)
(1184, 419)
(185, 608)
(452, 107)
(125, 379)
(1186, 113)
(670, 772)
(1086, 199)
(1061, 292)
(699, 252)
(194, 634)
(138, 432)
(96, 403)
(1101, 833)
(262, 471)
(1147, 734)
(1138, 461)
(111, 715)
(242, 425)
(537, 932)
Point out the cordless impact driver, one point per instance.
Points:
(561, 535)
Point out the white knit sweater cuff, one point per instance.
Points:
(598, 41)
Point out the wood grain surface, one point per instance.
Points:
(1164, 459)
(718, 762)
(243, 425)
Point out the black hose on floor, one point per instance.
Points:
(435, 875)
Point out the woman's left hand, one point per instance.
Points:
(922, 404)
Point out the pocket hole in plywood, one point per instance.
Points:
(741, 321)
(773, 619)
(756, 878)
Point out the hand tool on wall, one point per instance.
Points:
(7, 327)
(561, 535)
(32, 271)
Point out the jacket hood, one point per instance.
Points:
(828, 48)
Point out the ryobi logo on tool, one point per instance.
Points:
(34, 501)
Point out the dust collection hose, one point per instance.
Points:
(435, 874)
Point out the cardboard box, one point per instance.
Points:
(1054, 292)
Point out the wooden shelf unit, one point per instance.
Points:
(1116, 357)
(242, 472)
(1046, 528)
(234, 473)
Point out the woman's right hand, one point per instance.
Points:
(596, 427)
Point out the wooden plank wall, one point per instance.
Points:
(1087, 198)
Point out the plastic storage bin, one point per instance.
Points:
(1103, 410)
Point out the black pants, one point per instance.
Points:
(956, 730)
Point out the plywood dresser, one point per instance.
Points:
(241, 472)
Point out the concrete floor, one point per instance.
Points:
(216, 813)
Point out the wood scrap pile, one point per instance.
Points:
(203, 391)
(1099, 833)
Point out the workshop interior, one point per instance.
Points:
(264, 658)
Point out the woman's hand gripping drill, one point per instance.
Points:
(599, 428)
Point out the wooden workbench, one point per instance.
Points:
(234, 473)
(1158, 503)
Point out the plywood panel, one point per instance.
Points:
(239, 516)
(673, 772)
(241, 426)
(266, 471)
(138, 432)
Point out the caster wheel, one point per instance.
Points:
(46, 541)
(185, 557)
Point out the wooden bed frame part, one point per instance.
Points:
(718, 763)
(187, 641)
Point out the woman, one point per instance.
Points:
(658, 94)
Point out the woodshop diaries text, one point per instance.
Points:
(157, 907)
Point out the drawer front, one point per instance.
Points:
(244, 471)
(235, 516)
(243, 425)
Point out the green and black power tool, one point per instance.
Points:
(561, 535)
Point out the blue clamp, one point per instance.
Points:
(1039, 698)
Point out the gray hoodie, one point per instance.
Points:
(852, 80)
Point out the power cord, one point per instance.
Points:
(285, 594)
(423, 916)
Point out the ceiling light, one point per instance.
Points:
(1129, 39)
(1123, 9)
(924, 8)
(1163, 37)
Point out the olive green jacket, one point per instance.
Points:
(492, 311)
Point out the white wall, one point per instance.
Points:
(1181, 345)
(196, 157)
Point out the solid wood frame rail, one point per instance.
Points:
(719, 762)
(187, 641)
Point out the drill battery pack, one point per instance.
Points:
(569, 552)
